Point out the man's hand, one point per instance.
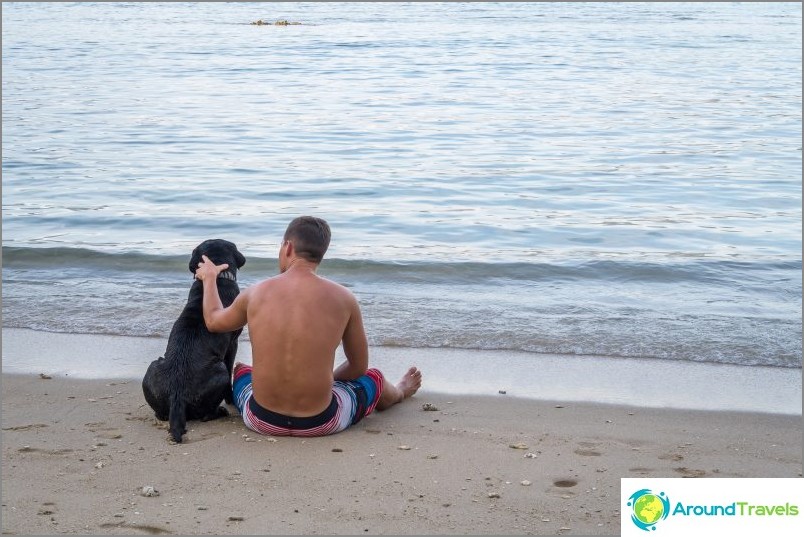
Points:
(208, 270)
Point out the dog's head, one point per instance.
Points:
(218, 251)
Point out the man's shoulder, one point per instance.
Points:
(334, 288)
(278, 282)
(260, 286)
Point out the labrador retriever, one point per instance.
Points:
(195, 374)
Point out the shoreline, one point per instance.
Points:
(634, 382)
(77, 453)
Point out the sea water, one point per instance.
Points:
(580, 180)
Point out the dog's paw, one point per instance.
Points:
(176, 436)
(219, 412)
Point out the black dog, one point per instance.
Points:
(195, 374)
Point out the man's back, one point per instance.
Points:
(296, 322)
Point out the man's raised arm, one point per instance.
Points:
(216, 317)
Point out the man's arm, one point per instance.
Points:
(216, 317)
(355, 346)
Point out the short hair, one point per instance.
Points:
(310, 237)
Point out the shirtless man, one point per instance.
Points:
(296, 321)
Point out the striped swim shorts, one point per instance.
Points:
(352, 400)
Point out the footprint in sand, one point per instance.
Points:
(140, 418)
(689, 472)
(588, 449)
(141, 528)
(671, 457)
(29, 449)
(25, 427)
(112, 434)
(48, 508)
(561, 488)
(641, 471)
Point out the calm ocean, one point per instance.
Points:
(592, 179)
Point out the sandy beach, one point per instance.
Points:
(78, 453)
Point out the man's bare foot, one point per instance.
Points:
(407, 386)
(410, 382)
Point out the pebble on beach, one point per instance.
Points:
(518, 445)
(429, 407)
(148, 490)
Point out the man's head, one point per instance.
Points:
(309, 237)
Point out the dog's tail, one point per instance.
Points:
(178, 411)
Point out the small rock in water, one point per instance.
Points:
(429, 407)
(525, 483)
(502, 392)
(235, 519)
(261, 22)
(44, 377)
(404, 448)
(337, 450)
(494, 494)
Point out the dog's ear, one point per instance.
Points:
(240, 259)
(195, 259)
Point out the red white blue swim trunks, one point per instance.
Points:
(352, 400)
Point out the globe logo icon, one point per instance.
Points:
(648, 508)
